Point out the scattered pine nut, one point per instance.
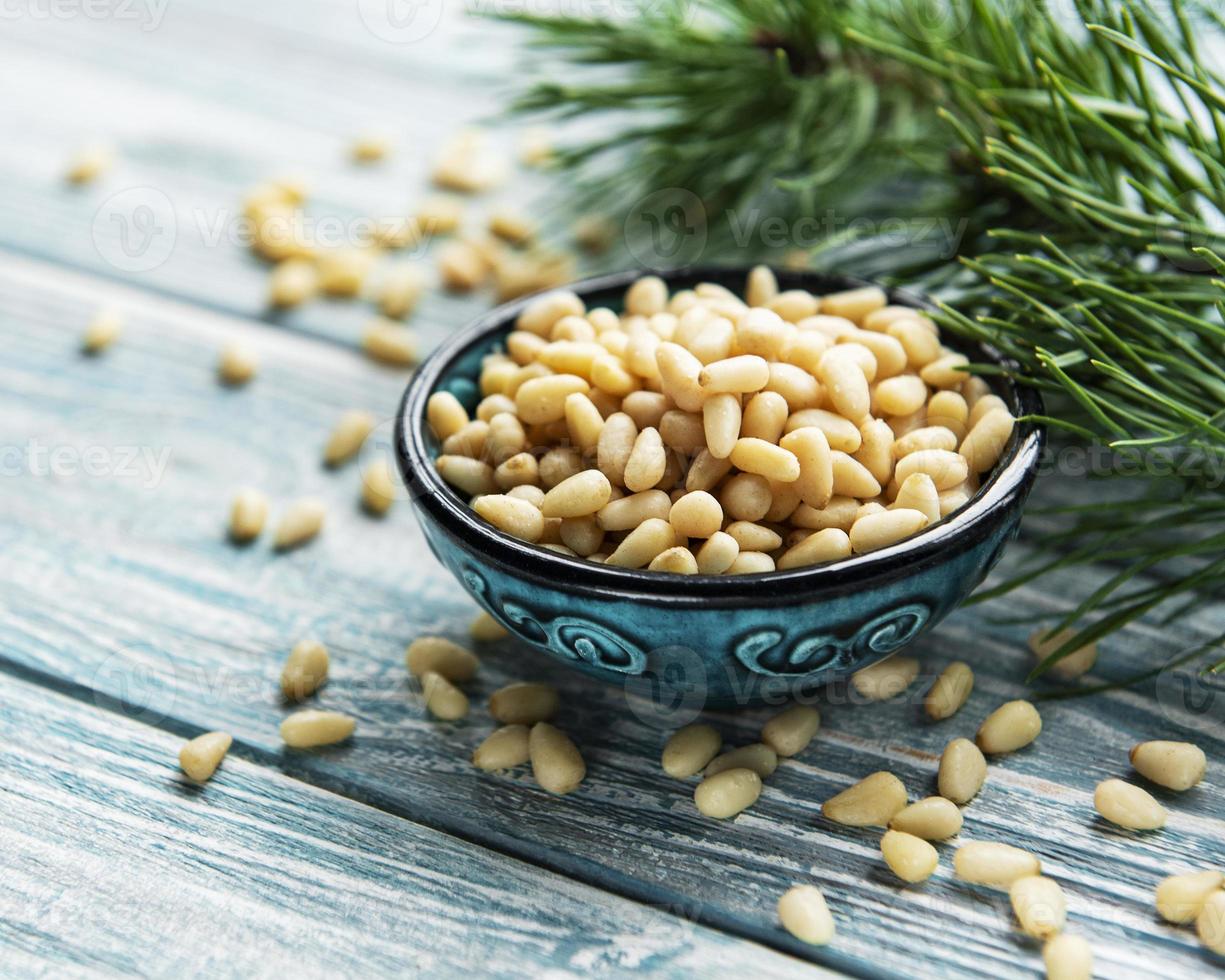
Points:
(505, 748)
(440, 215)
(932, 818)
(103, 330)
(871, 802)
(727, 793)
(461, 267)
(390, 343)
(200, 757)
(886, 679)
(292, 283)
(312, 728)
(1128, 806)
(443, 699)
(440, 655)
(343, 270)
(305, 670)
(512, 226)
(247, 515)
(399, 290)
(1210, 923)
(524, 703)
(238, 364)
(1180, 898)
(556, 762)
(949, 692)
(1039, 905)
(1174, 765)
(302, 520)
(89, 163)
(467, 164)
(689, 750)
(1068, 957)
(485, 629)
(1043, 643)
(909, 857)
(994, 864)
(379, 487)
(963, 770)
(760, 758)
(346, 439)
(370, 148)
(789, 732)
(1009, 727)
(804, 914)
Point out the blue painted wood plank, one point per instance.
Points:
(127, 589)
(114, 863)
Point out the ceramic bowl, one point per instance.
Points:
(709, 640)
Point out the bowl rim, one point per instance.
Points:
(1009, 481)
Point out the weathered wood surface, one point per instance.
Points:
(130, 595)
(115, 863)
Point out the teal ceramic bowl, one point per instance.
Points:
(709, 640)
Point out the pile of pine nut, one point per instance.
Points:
(703, 433)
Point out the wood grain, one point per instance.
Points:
(255, 875)
(130, 595)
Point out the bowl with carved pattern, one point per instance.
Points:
(706, 639)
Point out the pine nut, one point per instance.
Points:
(910, 858)
(1039, 905)
(461, 267)
(874, 531)
(647, 408)
(578, 496)
(200, 757)
(646, 296)
(946, 469)
(1128, 806)
(342, 271)
(845, 384)
(471, 476)
(945, 372)
(805, 349)
(854, 304)
(718, 554)
(485, 629)
(810, 446)
(743, 373)
(721, 421)
(544, 399)
(839, 513)
(533, 495)
(400, 290)
(804, 914)
(89, 164)
(880, 319)
(1174, 765)
(746, 497)
(247, 515)
(312, 728)
(468, 441)
(789, 732)
(646, 463)
(706, 471)
(446, 416)
(557, 465)
(516, 517)
(727, 793)
(582, 535)
(504, 748)
(751, 563)
(440, 655)
(524, 703)
(389, 343)
(1181, 898)
(439, 215)
(949, 692)
(760, 758)
(761, 332)
(842, 434)
(948, 410)
(696, 515)
(765, 459)
(798, 389)
(761, 286)
(1210, 923)
(679, 371)
(557, 764)
(689, 749)
(850, 477)
(921, 344)
(103, 330)
(927, 437)
(754, 537)
(518, 470)
(1009, 727)
(871, 802)
(346, 439)
(615, 445)
(512, 226)
(886, 679)
(541, 314)
(982, 407)
(1068, 957)
(984, 443)
(919, 493)
(830, 544)
(1078, 662)
(993, 864)
(932, 818)
(305, 670)
(379, 487)
(643, 543)
(963, 770)
(238, 364)
(630, 512)
(443, 699)
(302, 520)
(292, 283)
(794, 305)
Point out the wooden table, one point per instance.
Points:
(128, 622)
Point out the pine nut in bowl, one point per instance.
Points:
(561, 456)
